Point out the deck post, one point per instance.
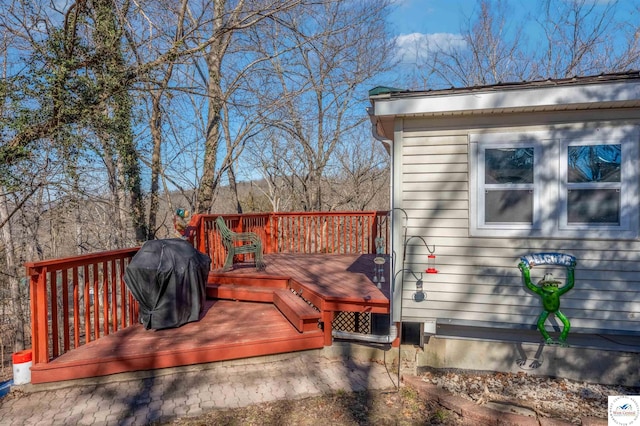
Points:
(327, 319)
(268, 229)
(202, 244)
(39, 322)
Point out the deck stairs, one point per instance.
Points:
(301, 314)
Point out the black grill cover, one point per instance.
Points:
(168, 279)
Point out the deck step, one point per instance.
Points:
(249, 280)
(242, 293)
(296, 310)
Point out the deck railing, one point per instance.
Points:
(313, 232)
(79, 299)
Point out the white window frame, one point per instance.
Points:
(550, 216)
(481, 192)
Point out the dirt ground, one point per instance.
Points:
(391, 407)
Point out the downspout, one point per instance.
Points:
(393, 329)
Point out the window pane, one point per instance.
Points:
(594, 206)
(594, 163)
(508, 206)
(508, 165)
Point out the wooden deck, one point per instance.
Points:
(249, 324)
(343, 282)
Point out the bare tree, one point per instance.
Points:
(361, 178)
(488, 51)
(158, 95)
(12, 275)
(271, 162)
(229, 18)
(582, 38)
(12, 198)
(315, 83)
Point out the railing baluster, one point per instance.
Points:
(55, 333)
(65, 309)
(289, 237)
(354, 234)
(95, 299)
(131, 310)
(313, 247)
(300, 234)
(316, 234)
(335, 239)
(293, 226)
(105, 299)
(362, 233)
(123, 295)
(308, 225)
(114, 296)
(76, 309)
(337, 232)
(87, 307)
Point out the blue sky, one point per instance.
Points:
(429, 16)
(445, 16)
(419, 26)
(440, 21)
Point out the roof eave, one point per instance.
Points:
(617, 94)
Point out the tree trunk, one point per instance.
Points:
(156, 163)
(233, 185)
(117, 231)
(16, 316)
(113, 76)
(212, 137)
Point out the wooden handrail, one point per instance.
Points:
(75, 300)
(68, 262)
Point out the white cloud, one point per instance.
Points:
(410, 47)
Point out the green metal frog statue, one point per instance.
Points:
(549, 289)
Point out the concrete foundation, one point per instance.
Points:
(575, 363)
(593, 358)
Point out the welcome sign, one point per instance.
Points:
(560, 259)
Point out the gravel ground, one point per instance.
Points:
(548, 397)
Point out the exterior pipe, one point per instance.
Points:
(369, 338)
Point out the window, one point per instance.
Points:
(594, 184)
(559, 183)
(508, 185)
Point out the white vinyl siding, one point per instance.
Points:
(478, 282)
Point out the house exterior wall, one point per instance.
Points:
(478, 282)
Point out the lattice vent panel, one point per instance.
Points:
(353, 322)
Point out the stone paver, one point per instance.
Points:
(169, 395)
